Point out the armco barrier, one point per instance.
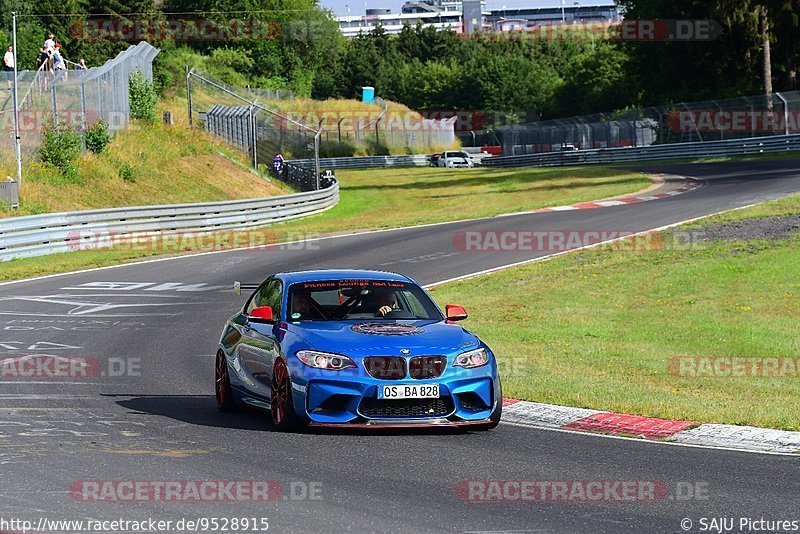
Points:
(36, 235)
(733, 147)
(366, 162)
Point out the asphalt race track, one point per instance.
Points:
(157, 327)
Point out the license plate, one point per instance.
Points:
(411, 391)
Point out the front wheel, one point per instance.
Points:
(497, 413)
(222, 385)
(281, 404)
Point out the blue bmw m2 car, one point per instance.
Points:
(358, 349)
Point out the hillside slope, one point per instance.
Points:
(143, 165)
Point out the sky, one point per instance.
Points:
(357, 7)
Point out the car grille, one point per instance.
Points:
(427, 366)
(385, 367)
(406, 407)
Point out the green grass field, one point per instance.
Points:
(598, 329)
(387, 198)
(161, 165)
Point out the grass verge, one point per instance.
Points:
(384, 198)
(143, 165)
(600, 328)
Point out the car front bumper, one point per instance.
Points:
(464, 400)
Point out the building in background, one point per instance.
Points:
(472, 15)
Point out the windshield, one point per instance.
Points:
(337, 300)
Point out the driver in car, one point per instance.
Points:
(386, 302)
(305, 307)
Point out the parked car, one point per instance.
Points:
(455, 158)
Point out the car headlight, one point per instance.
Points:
(325, 360)
(472, 359)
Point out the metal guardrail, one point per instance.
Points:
(732, 147)
(366, 162)
(36, 235)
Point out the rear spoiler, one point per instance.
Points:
(238, 286)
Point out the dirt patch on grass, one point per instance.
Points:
(750, 229)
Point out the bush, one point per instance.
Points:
(334, 149)
(60, 147)
(97, 137)
(127, 172)
(142, 97)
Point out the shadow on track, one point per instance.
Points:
(201, 410)
(197, 410)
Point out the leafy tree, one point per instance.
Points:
(596, 82)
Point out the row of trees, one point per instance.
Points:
(426, 69)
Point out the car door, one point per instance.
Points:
(259, 346)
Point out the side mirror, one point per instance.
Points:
(455, 312)
(262, 314)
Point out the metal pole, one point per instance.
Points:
(316, 156)
(84, 120)
(53, 98)
(785, 108)
(17, 146)
(253, 137)
(189, 93)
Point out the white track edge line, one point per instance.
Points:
(649, 441)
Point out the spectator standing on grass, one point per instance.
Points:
(81, 65)
(277, 163)
(8, 61)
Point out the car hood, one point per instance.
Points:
(362, 338)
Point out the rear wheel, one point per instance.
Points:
(222, 385)
(281, 404)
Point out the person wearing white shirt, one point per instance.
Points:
(8, 61)
(50, 43)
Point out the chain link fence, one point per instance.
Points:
(75, 98)
(695, 122)
(236, 116)
(311, 129)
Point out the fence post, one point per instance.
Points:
(100, 97)
(316, 156)
(253, 137)
(83, 113)
(377, 138)
(785, 113)
(53, 98)
(189, 93)
(339, 128)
